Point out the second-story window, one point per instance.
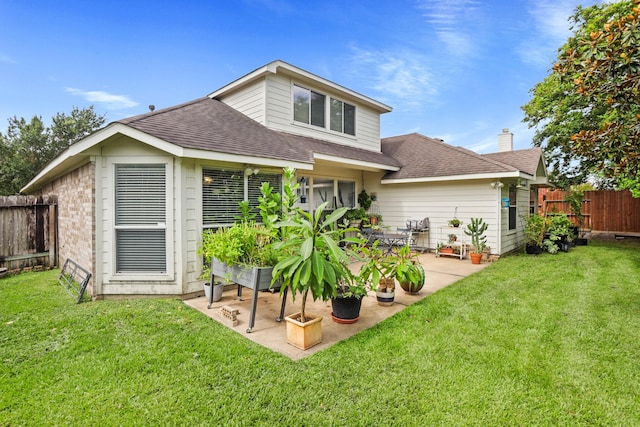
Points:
(343, 117)
(308, 106)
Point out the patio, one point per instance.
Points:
(440, 272)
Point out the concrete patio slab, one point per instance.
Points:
(440, 272)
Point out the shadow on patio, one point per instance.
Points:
(440, 272)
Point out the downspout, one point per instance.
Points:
(499, 204)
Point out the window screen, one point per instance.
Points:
(140, 218)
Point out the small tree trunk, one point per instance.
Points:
(303, 318)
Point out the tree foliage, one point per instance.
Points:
(587, 111)
(28, 146)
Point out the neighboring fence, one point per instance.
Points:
(604, 210)
(28, 227)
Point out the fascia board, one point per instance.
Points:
(236, 158)
(513, 174)
(275, 66)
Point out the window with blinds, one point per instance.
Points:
(223, 189)
(140, 218)
(254, 183)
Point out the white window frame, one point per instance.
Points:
(245, 192)
(327, 112)
(169, 274)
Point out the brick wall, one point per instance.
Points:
(76, 217)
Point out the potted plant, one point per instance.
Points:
(406, 269)
(558, 233)
(452, 238)
(355, 216)
(375, 219)
(243, 253)
(455, 222)
(374, 270)
(443, 248)
(476, 230)
(348, 300)
(364, 200)
(534, 230)
(313, 263)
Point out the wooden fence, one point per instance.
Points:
(28, 227)
(604, 210)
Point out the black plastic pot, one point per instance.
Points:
(533, 249)
(346, 309)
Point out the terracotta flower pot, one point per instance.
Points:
(304, 335)
(475, 257)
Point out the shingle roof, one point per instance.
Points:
(318, 146)
(424, 157)
(523, 160)
(208, 124)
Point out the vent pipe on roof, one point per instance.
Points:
(505, 141)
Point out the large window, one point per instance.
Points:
(308, 106)
(337, 193)
(311, 108)
(223, 189)
(140, 218)
(343, 117)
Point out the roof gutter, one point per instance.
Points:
(512, 174)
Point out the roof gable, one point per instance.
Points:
(526, 161)
(279, 66)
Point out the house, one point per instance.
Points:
(135, 196)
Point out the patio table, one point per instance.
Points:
(391, 240)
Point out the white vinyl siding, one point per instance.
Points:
(249, 101)
(140, 218)
(279, 116)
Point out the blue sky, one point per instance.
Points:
(456, 70)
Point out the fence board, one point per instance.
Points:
(27, 231)
(605, 210)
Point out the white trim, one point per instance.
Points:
(98, 137)
(512, 174)
(169, 276)
(276, 66)
(202, 155)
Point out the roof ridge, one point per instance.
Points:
(465, 151)
(134, 119)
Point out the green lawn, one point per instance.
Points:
(545, 340)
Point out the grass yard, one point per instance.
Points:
(530, 340)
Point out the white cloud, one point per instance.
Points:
(109, 101)
(549, 31)
(453, 22)
(403, 76)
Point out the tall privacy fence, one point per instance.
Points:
(28, 227)
(604, 210)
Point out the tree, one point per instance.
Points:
(587, 111)
(29, 146)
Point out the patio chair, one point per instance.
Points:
(418, 227)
